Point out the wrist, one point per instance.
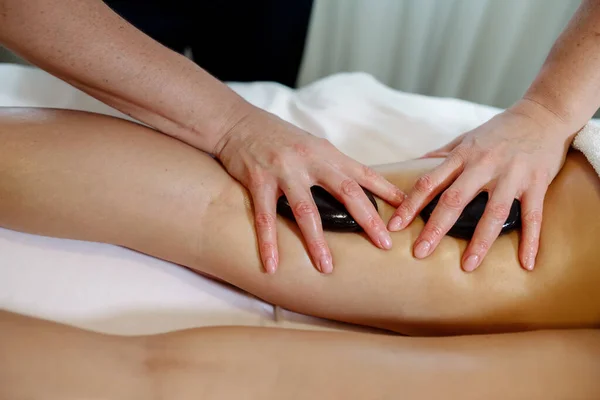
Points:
(227, 124)
(550, 119)
(235, 127)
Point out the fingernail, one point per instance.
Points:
(471, 262)
(395, 223)
(270, 266)
(385, 240)
(325, 265)
(422, 249)
(529, 262)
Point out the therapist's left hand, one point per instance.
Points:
(516, 154)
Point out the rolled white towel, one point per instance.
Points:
(587, 141)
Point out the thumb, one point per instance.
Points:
(444, 150)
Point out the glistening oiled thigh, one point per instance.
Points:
(391, 289)
(90, 177)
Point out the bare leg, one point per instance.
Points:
(90, 177)
(41, 359)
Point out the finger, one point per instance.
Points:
(532, 204)
(350, 193)
(452, 203)
(491, 222)
(308, 220)
(435, 154)
(425, 189)
(370, 179)
(445, 149)
(265, 206)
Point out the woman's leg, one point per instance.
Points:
(96, 178)
(42, 359)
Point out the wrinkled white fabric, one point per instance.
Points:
(587, 141)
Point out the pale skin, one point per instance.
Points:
(516, 154)
(89, 46)
(45, 360)
(89, 177)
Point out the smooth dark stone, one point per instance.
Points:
(334, 215)
(464, 228)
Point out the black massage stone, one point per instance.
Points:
(464, 228)
(334, 215)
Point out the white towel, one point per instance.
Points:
(588, 142)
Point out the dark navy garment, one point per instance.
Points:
(234, 40)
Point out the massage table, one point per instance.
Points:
(111, 289)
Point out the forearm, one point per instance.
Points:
(568, 84)
(88, 45)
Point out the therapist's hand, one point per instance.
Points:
(516, 154)
(270, 156)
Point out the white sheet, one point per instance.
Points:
(111, 289)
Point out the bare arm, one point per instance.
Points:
(517, 153)
(88, 45)
(568, 85)
(268, 363)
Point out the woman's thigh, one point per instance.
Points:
(393, 290)
(91, 177)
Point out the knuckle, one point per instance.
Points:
(351, 188)
(424, 184)
(452, 198)
(373, 223)
(277, 160)
(304, 209)
(318, 246)
(482, 245)
(458, 156)
(267, 248)
(486, 156)
(300, 149)
(369, 173)
(498, 211)
(265, 221)
(406, 209)
(518, 165)
(433, 233)
(541, 177)
(533, 217)
(398, 194)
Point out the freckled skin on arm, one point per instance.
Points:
(194, 214)
(91, 47)
(568, 83)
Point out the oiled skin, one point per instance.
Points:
(49, 361)
(97, 178)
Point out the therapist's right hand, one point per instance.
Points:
(270, 157)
